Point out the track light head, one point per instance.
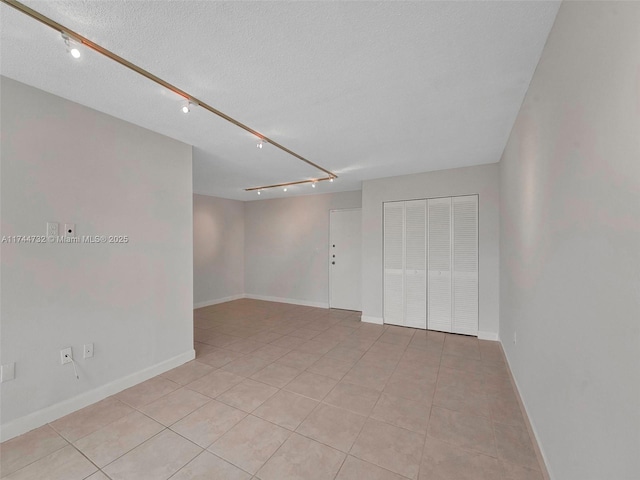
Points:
(313, 185)
(284, 189)
(259, 192)
(331, 179)
(186, 107)
(260, 143)
(72, 46)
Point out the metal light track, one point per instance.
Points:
(288, 184)
(141, 71)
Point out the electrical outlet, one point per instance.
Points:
(7, 372)
(88, 350)
(66, 355)
(69, 229)
(52, 229)
(515, 338)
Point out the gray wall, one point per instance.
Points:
(67, 163)
(482, 180)
(570, 244)
(218, 249)
(287, 246)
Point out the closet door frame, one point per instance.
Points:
(451, 197)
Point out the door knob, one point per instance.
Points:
(333, 263)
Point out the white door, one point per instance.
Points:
(345, 271)
(465, 265)
(394, 263)
(415, 268)
(439, 246)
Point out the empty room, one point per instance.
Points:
(324, 240)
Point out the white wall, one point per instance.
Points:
(481, 180)
(67, 163)
(570, 244)
(287, 246)
(218, 250)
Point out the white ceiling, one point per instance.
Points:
(364, 89)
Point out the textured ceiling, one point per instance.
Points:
(365, 89)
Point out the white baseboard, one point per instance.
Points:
(488, 336)
(292, 301)
(542, 458)
(369, 319)
(49, 414)
(219, 300)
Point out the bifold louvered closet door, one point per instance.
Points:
(405, 263)
(431, 264)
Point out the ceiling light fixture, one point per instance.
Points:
(331, 179)
(72, 45)
(259, 192)
(259, 144)
(186, 107)
(284, 189)
(81, 40)
(312, 181)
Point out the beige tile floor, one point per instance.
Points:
(282, 392)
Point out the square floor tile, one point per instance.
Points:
(330, 367)
(156, 459)
(105, 445)
(298, 359)
(207, 466)
(418, 390)
(276, 374)
(98, 476)
(458, 362)
(83, 422)
(514, 445)
(245, 346)
(249, 444)
(215, 383)
(355, 398)
(286, 409)
(311, 385)
(25, 449)
(248, 395)
(355, 469)
(315, 347)
(188, 372)
(302, 459)
(246, 366)
(147, 392)
(208, 423)
(442, 461)
(64, 464)
(368, 375)
(174, 406)
(332, 426)
(517, 472)
(271, 352)
(345, 354)
(467, 431)
(219, 357)
(403, 412)
(390, 447)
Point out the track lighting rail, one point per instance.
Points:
(188, 97)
